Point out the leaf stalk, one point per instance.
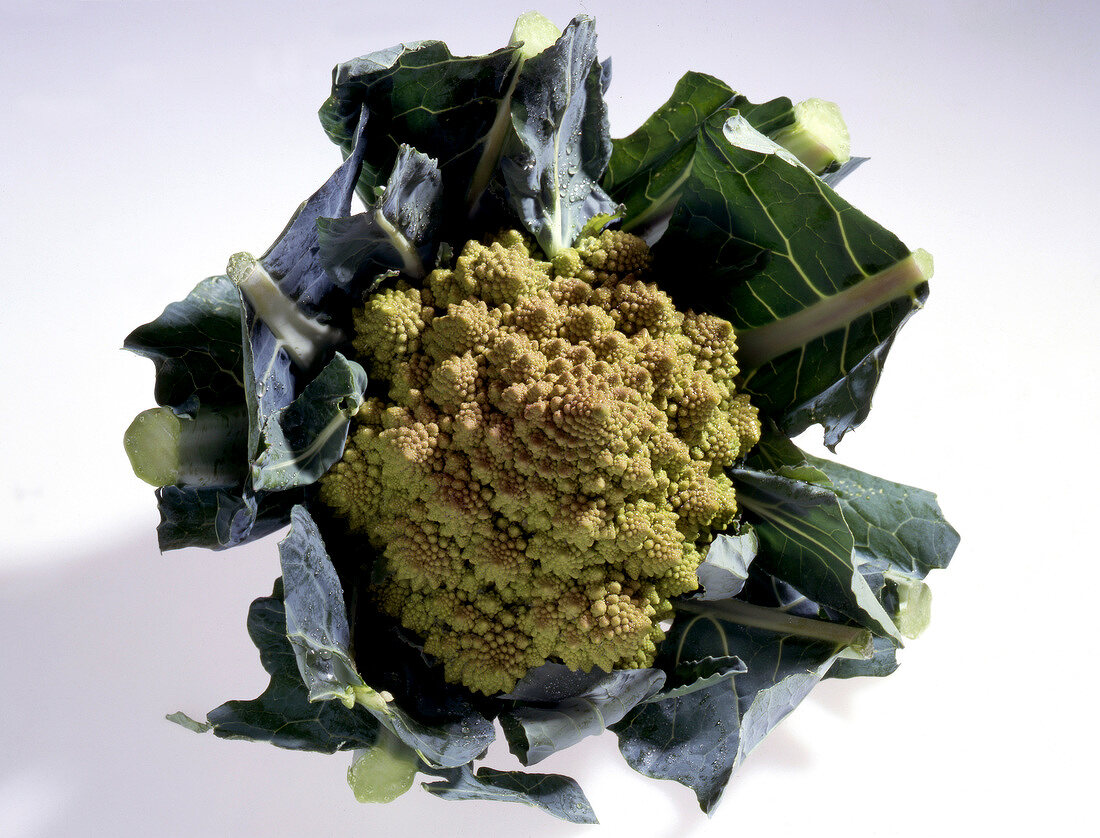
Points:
(773, 619)
(756, 346)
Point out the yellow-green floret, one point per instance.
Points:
(549, 466)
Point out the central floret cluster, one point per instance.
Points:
(548, 468)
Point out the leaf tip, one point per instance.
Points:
(183, 720)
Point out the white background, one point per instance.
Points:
(142, 143)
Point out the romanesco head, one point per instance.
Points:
(549, 466)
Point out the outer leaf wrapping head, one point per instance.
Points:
(563, 144)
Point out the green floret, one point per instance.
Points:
(548, 469)
(500, 272)
(610, 256)
(388, 327)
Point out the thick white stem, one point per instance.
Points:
(818, 136)
(411, 264)
(206, 450)
(302, 336)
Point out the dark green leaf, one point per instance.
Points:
(723, 572)
(845, 403)
(691, 676)
(396, 233)
(650, 198)
(195, 345)
(447, 742)
(270, 378)
(293, 259)
(700, 738)
(649, 169)
(816, 289)
(268, 375)
(440, 720)
(293, 262)
(283, 715)
(883, 661)
(765, 117)
(877, 658)
(422, 95)
(317, 626)
(764, 589)
(316, 617)
(775, 452)
(217, 518)
(805, 541)
(563, 144)
(898, 524)
(557, 795)
(535, 732)
(306, 437)
(551, 682)
(671, 127)
(899, 533)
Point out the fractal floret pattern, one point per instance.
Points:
(549, 464)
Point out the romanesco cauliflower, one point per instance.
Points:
(548, 468)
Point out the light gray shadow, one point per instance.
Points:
(102, 647)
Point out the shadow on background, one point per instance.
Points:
(106, 643)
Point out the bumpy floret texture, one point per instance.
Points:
(548, 467)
